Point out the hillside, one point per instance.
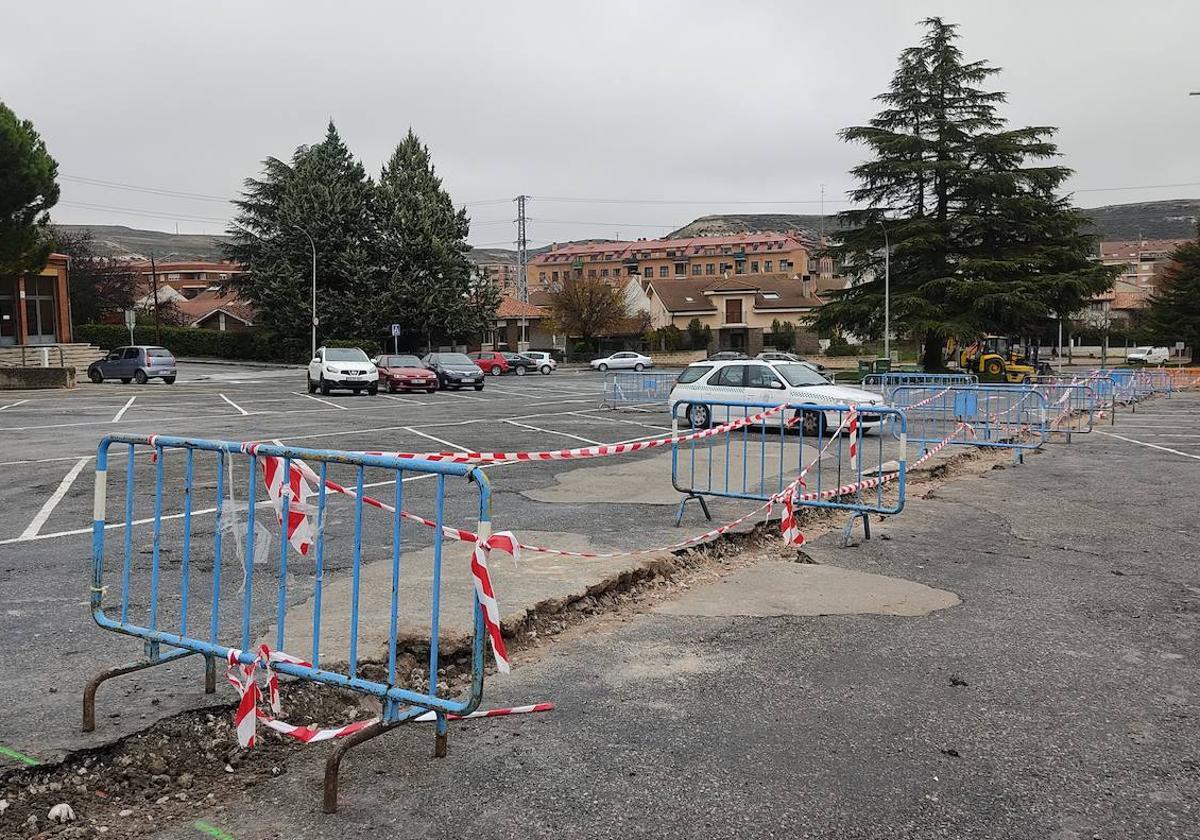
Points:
(1174, 219)
(122, 241)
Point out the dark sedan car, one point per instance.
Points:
(518, 364)
(405, 373)
(455, 370)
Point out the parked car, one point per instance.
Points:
(625, 360)
(405, 373)
(455, 370)
(768, 383)
(519, 363)
(545, 362)
(490, 361)
(139, 364)
(1148, 355)
(346, 368)
(727, 356)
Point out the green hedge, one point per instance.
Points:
(192, 342)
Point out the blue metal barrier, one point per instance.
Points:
(1002, 416)
(637, 388)
(883, 382)
(170, 629)
(760, 460)
(1071, 404)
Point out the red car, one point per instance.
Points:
(405, 373)
(490, 361)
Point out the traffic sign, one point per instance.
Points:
(395, 330)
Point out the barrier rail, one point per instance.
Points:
(1072, 404)
(634, 388)
(174, 628)
(882, 382)
(1003, 416)
(761, 460)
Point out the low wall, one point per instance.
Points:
(32, 378)
(681, 358)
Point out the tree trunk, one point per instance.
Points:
(931, 359)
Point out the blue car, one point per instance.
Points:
(134, 364)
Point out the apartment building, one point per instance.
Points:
(673, 259)
(187, 278)
(1144, 260)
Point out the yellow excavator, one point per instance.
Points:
(996, 358)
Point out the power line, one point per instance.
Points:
(599, 224)
(133, 211)
(97, 182)
(674, 201)
(1144, 187)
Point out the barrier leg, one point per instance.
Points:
(440, 738)
(683, 504)
(89, 690)
(334, 762)
(849, 529)
(210, 675)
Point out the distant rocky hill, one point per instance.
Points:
(122, 241)
(1175, 219)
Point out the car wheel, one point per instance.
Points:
(698, 416)
(812, 423)
(496, 370)
(324, 387)
(639, 367)
(994, 367)
(431, 391)
(96, 376)
(170, 380)
(312, 386)
(602, 367)
(545, 370)
(125, 380)
(478, 387)
(140, 377)
(373, 389)
(356, 391)
(519, 371)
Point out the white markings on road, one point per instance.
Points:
(453, 446)
(13, 405)
(318, 399)
(55, 497)
(588, 441)
(467, 396)
(1151, 445)
(124, 408)
(589, 416)
(402, 400)
(241, 410)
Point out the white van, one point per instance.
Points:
(1148, 355)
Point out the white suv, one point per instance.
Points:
(347, 368)
(705, 385)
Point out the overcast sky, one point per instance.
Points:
(717, 107)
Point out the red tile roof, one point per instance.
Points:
(206, 303)
(751, 243)
(1131, 248)
(786, 292)
(510, 307)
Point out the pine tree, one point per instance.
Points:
(325, 194)
(430, 286)
(1174, 310)
(979, 241)
(28, 189)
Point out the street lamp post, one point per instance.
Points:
(887, 293)
(312, 245)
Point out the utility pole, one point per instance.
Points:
(522, 255)
(154, 285)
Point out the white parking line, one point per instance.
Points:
(590, 416)
(55, 498)
(235, 405)
(467, 396)
(1151, 445)
(453, 446)
(13, 405)
(318, 399)
(553, 432)
(402, 399)
(124, 408)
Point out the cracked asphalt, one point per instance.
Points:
(1058, 700)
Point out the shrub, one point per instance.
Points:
(838, 346)
(194, 342)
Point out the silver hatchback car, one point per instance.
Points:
(137, 364)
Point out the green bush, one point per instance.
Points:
(838, 346)
(187, 342)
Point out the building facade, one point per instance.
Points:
(187, 278)
(695, 258)
(36, 308)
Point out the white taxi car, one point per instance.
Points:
(705, 385)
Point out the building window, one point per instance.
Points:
(680, 269)
(785, 265)
(591, 272)
(616, 272)
(767, 266)
(709, 268)
(604, 272)
(541, 276)
(754, 267)
(733, 311)
(662, 271)
(696, 269)
(554, 275)
(647, 271)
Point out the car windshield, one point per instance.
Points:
(798, 374)
(692, 373)
(453, 359)
(400, 361)
(345, 354)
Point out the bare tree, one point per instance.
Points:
(587, 308)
